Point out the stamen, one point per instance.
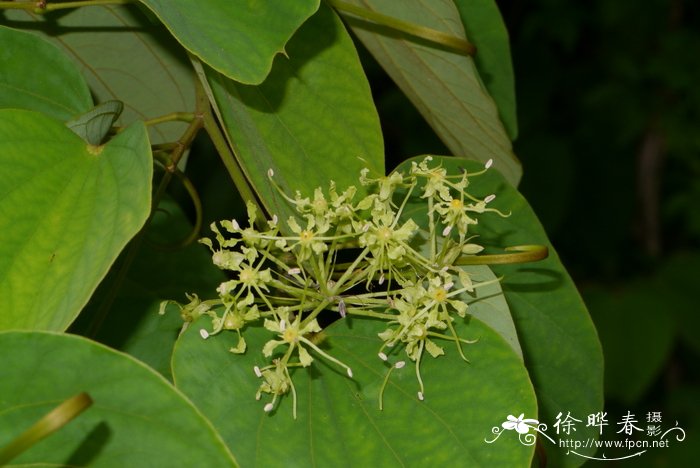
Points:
(489, 163)
(270, 173)
(256, 369)
(490, 198)
(446, 231)
(420, 396)
(268, 407)
(203, 333)
(326, 355)
(382, 356)
(294, 271)
(400, 364)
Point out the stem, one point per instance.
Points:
(196, 203)
(43, 6)
(437, 37)
(525, 254)
(431, 230)
(403, 205)
(368, 313)
(348, 272)
(322, 305)
(50, 423)
(220, 141)
(230, 162)
(172, 117)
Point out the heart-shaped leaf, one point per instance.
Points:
(137, 417)
(66, 210)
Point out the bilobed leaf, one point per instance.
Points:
(137, 418)
(122, 56)
(94, 125)
(238, 38)
(338, 419)
(486, 30)
(66, 210)
(35, 75)
(311, 121)
(444, 85)
(559, 341)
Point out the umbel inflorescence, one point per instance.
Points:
(285, 275)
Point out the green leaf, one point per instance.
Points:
(489, 305)
(338, 420)
(238, 38)
(133, 324)
(485, 29)
(137, 419)
(311, 121)
(444, 85)
(35, 75)
(94, 125)
(124, 57)
(556, 333)
(66, 211)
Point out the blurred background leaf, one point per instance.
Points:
(443, 85)
(123, 56)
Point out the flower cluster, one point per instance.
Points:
(283, 274)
